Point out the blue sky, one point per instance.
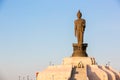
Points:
(34, 33)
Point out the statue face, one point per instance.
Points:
(79, 15)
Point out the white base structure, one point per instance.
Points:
(78, 68)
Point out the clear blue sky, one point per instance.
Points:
(36, 32)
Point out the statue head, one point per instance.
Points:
(79, 14)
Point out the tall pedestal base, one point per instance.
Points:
(79, 51)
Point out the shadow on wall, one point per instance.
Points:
(96, 77)
(73, 73)
(92, 75)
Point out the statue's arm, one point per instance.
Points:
(75, 27)
(84, 24)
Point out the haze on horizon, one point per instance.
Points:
(34, 33)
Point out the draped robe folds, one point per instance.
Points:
(79, 30)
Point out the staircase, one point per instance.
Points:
(79, 73)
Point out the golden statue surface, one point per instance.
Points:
(79, 28)
(79, 48)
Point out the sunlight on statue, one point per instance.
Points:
(79, 28)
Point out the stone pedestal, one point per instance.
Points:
(79, 51)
